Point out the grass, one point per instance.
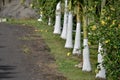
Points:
(26, 49)
(66, 64)
(24, 38)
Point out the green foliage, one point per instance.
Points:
(106, 29)
(46, 8)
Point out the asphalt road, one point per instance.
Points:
(36, 64)
(12, 58)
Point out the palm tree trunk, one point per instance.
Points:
(69, 43)
(40, 19)
(77, 45)
(86, 54)
(49, 21)
(65, 23)
(57, 27)
(101, 73)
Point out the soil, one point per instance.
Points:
(16, 10)
(24, 55)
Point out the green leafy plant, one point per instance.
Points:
(106, 30)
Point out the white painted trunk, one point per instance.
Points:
(64, 31)
(101, 73)
(3, 19)
(86, 56)
(69, 43)
(66, 2)
(40, 19)
(49, 21)
(77, 49)
(65, 23)
(58, 7)
(100, 49)
(57, 27)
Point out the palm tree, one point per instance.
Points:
(65, 23)
(57, 27)
(41, 15)
(49, 21)
(40, 4)
(77, 44)
(69, 42)
(101, 73)
(86, 53)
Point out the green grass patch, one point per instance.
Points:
(66, 64)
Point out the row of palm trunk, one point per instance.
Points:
(66, 33)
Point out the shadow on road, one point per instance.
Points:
(2, 46)
(6, 71)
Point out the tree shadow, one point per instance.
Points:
(2, 46)
(6, 71)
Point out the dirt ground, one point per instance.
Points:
(24, 55)
(16, 10)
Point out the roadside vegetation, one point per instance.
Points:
(64, 59)
(94, 28)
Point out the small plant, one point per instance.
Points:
(24, 38)
(26, 49)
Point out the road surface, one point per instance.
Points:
(24, 55)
